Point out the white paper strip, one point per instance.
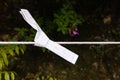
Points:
(42, 40)
(63, 52)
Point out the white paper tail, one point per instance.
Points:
(29, 19)
(62, 52)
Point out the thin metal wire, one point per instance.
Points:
(17, 42)
(28, 43)
(89, 43)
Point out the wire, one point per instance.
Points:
(74, 43)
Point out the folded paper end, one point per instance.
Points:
(74, 60)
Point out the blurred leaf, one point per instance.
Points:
(22, 50)
(11, 52)
(12, 76)
(43, 49)
(0, 75)
(17, 50)
(21, 31)
(37, 78)
(7, 76)
(43, 78)
(1, 64)
(4, 56)
(50, 78)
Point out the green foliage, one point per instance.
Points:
(7, 75)
(113, 34)
(12, 76)
(5, 52)
(21, 31)
(38, 76)
(8, 55)
(25, 33)
(28, 35)
(67, 18)
(45, 78)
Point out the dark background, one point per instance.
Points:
(96, 62)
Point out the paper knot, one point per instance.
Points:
(41, 39)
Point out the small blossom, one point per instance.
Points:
(74, 31)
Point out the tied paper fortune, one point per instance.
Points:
(42, 40)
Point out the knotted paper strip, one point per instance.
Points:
(42, 40)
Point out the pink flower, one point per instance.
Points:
(74, 31)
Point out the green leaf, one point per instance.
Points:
(43, 78)
(43, 49)
(0, 75)
(11, 52)
(22, 50)
(12, 76)
(1, 64)
(50, 78)
(37, 78)
(4, 55)
(7, 76)
(17, 50)
(55, 79)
